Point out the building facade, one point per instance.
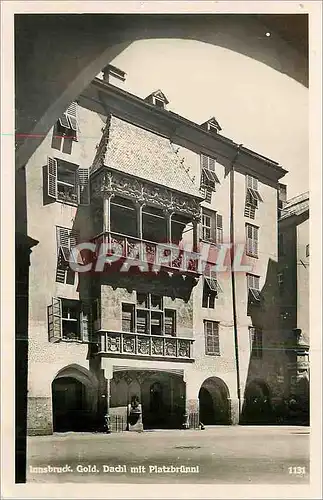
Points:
(172, 297)
(293, 281)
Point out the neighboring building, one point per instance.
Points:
(193, 345)
(293, 281)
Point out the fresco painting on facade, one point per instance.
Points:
(173, 271)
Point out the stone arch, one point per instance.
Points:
(74, 399)
(214, 402)
(257, 407)
(52, 84)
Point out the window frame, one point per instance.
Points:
(216, 351)
(81, 185)
(253, 290)
(66, 240)
(208, 179)
(55, 320)
(252, 243)
(151, 314)
(256, 342)
(253, 196)
(67, 123)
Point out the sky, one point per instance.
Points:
(256, 105)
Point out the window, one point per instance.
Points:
(255, 337)
(170, 322)
(67, 182)
(211, 288)
(252, 240)
(208, 175)
(249, 211)
(207, 225)
(280, 279)
(67, 124)
(212, 226)
(211, 332)
(66, 239)
(207, 194)
(159, 103)
(281, 244)
(68, 320)
(253, 287)
(148, 316)
(307, 250)
(128, 317)
(252, 196)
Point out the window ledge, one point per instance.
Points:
(71, 203)
(252, 255)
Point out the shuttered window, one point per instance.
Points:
(253, 287)
(211, 226)
(211, 287)
(208, 225)
(68, 122)
(212, 341)
(66, 240)
(69, 320)
(252, 238)
(208, 174)
(67, 183)
(252, 196)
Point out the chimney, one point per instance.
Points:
(282, 195)
(113, 75)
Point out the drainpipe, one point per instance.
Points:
(233, 286)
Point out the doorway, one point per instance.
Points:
(213, 402)
(69, 408)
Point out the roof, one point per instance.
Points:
(296, 206)
(116, 91)
(146, 155)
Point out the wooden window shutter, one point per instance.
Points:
(84, 186)
(211, 164)
(204, 161)
(249, 181)
(213, 226)
(63, 236)
(55, 320)
(96, 314)
(219, 228)
(255, 240)
(85, 323)
(52, 177)
(71, 112)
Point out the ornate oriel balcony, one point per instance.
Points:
(153, 256)
(143, 200)
(145, 346)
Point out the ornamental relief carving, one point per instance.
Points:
(108, 182)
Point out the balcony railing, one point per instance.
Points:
(135, 344)
(153, 254)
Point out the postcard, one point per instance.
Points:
(161, 260)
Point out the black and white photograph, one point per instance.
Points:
(162, 328)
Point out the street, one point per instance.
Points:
(219, 454)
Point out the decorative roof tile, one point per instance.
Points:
(144, 154)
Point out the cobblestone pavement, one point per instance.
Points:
(219, 454)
